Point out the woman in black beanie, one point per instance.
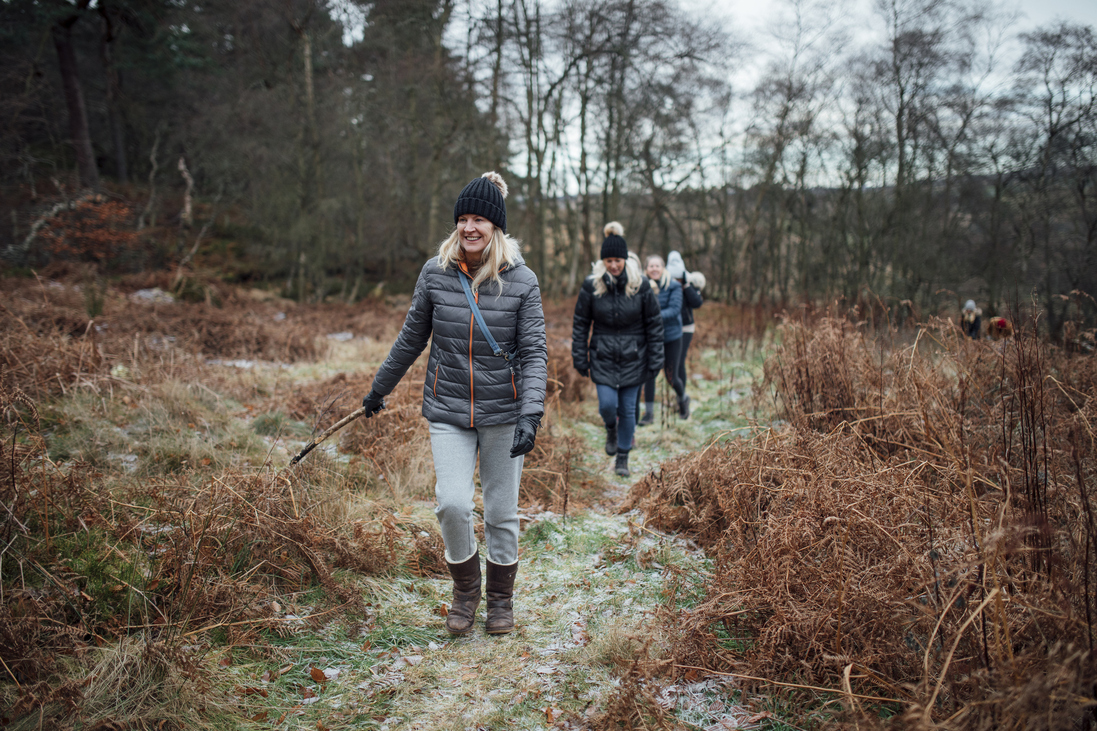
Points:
(617, 339)
(483, 399)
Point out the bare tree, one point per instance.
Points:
(74, 95)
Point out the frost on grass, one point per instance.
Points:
(585, 590)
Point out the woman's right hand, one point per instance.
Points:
(373, 403)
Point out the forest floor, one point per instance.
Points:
(164, 566)
(588, 587)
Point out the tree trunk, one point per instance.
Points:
(114, 113)
(74, 100)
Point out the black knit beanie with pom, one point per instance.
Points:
(614, 246)
(484, 196)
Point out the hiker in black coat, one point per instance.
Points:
(617, 339)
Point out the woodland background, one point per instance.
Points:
(891, 525)
(316, 146)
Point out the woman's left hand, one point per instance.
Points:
(525, 432)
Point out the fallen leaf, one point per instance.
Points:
(442, 610)
(225, 661)
(469, 676)
(366, 646)
(261, 716)
(413, 660)
(318, 674)
(307, 694)
(284, 669)
(252, 691)
(551, 714)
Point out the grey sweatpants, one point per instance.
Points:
(455, 450)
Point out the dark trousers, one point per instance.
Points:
(672, 351)
(687, 338)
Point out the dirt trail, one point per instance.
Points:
(587, 587)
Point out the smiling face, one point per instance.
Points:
(474, 233)
(655, 268)
(614, 266)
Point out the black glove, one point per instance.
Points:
(524, 433)
(373, 403)
(584, 372)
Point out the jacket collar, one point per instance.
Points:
(518, 261)
(619, 282)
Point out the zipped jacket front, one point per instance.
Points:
(467, 385)
(616, 336)
(670, 306)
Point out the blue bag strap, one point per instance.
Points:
(480, 318)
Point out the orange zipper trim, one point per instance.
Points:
(472, 321)
(472, 394)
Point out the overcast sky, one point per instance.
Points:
(1041, 12)
(751, 15)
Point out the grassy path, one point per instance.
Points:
(587, 589)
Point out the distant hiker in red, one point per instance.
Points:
(479, 307)
(617, 339)
(999, 328)
(971, 320)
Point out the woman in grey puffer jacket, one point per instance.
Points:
(478, 401)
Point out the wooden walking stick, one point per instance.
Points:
(327, 433)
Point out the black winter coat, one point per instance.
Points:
(467, 385)
(626, 344)
(691, 300)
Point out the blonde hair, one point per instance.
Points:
(632, 269)
(503, 250)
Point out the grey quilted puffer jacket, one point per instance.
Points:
(468, 385)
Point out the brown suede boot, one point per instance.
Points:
(466, 595)
(500, 589)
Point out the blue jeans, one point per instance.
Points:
(618, 406)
